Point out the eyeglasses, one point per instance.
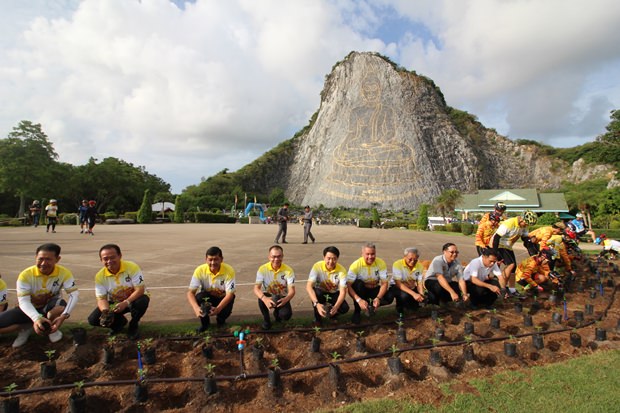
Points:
(453, 252)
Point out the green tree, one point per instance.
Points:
(27, 160)
(145, 213)
(277, 197)
(423, 217)
(612, 136)
(179, 211)
(447, 201)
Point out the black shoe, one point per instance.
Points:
(284, 242)
(313, 240)
(266, 325)
(305, 242)
(356, 318)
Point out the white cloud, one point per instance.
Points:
(189, 91)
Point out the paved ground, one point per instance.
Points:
(168, 254)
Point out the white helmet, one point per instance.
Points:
(53, 201)
(579, 215)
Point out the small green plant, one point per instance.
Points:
(78, 390)
(394, 350)
(360, 333)
(469, 316)
(335, 355)
(50, 354)
(113, 306)
(111, 340)
(468, 339)
(145, 344)
(493, 311)
(317, 330)
(275, 363)
(142, 375)
(10, 388)
(399, 323)
(210, 370)
(539, 328)
(439, 320)
(328, 298)
(259, 342)
(434, 341)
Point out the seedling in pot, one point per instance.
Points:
(275, 364)
(50, 355)
(394, 349)
(11, 403)
(468, 339)
(209, 370)
(10, 389)
(210, 385)
(360, 342)
(205, 306)
(335, 356)
(315, 343)
(328, 306)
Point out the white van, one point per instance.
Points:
(433, 221)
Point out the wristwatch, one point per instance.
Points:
(314, 304)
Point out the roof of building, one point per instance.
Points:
(515, 200)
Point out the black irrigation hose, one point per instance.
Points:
(481, 340)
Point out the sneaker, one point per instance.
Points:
(517, 294)
(55, 337)
(22, 337)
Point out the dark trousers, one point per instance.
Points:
(307, 233)
(437, 294)
(482, 296)
(280, 313)
(281, 231)
(215, 301)
(404, 301)
(321, 297)
(138, 308)
(369, 293)
(16, 316)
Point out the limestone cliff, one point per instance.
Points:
(384, 136)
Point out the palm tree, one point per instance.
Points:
(447, 201)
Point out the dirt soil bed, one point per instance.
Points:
(175, 380)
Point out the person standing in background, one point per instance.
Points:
(308, 225)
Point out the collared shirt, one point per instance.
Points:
(611, 244)
(216, 285)
(371, 275)
(117, 287)
(542, 235)
(3, 293)
(35, 289)
(528, 268)
(408, 276)
(509, 232)
(476, 268)
(329, 281)
(439, 265)
(275, 281)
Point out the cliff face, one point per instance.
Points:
(384, 137)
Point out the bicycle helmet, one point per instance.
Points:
(495, 216)
(529, 217)
(53, 201)
(600, 239)
(92, 203)
(547, 253)
(500, 206)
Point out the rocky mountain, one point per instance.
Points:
(384, 136)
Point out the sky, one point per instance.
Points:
(189, 88)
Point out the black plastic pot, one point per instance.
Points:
(575, 340)
(589, 309)
(556, 318)
(371, 310)
(273, 379)
(207, 352)
(510, 349)
(48, 370)
(610, 283)
(534, 307)
(77, 403)
(334, 375)
(553, 299)
(468, 328)
(578, 316)
(401, 335)
(257, 353)
(527, 320)
(108, 355)
(494, 322)
(538, 342)
(518, 308)
(395, 365)
(328, 308)
(79, 336)
(439, 333)
(150, 356)
(315, 345)
(10, 405)
(435, 358)
(593, 294)
(600, 334)
(468, 353)
(205, 308)
(209, 385)
(140, 393)
(360, 345)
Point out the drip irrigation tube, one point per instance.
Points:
(480, 340)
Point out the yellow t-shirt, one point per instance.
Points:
(117, 287)
(216, 285)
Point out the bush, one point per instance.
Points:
(412, 226)
(548, 218)
(397, 224)
(244, 220)
(467, 228)
(69, 219)
(109, 215)
(364, 223)
(440, 228)
(423, 217)
(453, 227)
(207, 217)
(131, 215)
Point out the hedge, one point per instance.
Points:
(207, 217)
(364, 223)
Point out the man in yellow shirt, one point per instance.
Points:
(120, 289)
(212, 289)
(407, 274)
(328, 281)
(275, 287)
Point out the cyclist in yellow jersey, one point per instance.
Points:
(508, 232)
(275, 287)
(328, 281)
(119, 289)
(41, 305)
(212, 289)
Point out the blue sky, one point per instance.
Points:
(187, 89)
